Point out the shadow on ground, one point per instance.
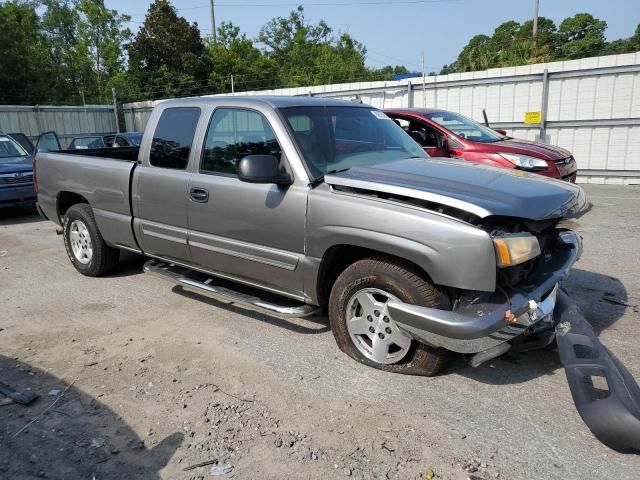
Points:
(602, 299)
(78, 437)
(130, 264)
(18, 215)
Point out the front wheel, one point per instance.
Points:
(363, 327)
(86, 248)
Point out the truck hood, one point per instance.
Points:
(526, 147)
(15, 164)
(474, 188)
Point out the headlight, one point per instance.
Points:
(525, 162)
(514, 249)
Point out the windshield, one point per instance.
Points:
(338, 138)
(10, 148)
(465, 127)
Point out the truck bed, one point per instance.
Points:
(102, 177)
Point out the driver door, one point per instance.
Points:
(250, 231)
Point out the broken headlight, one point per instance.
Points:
(514, 249)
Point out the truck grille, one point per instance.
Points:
(16, 178)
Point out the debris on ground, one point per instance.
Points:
(201, 464)
(428, 474)
(223, 469)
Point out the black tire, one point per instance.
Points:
(405, 282)
(104, 258)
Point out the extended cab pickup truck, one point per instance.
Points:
(291, 205)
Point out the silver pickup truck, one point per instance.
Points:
(294, 205)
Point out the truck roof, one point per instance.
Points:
(274, 101)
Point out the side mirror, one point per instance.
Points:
(500, 131)
(262, 169)
(442, 142)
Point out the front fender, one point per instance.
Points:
(453, 253)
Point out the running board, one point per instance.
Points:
(188, 280)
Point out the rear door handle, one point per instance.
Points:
(199, 195)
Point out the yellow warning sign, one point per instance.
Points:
(532, 117)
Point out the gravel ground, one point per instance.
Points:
(147, 381)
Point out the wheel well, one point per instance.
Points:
(337, 258)
(66, 200)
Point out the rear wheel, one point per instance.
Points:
(363, 327)
(86, 248)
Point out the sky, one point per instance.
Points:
(398, 31)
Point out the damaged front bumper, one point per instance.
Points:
(606, 395)
(479, 327)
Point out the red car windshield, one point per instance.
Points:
(465, 127)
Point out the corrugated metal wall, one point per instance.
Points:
(67, 122)
(590, 106)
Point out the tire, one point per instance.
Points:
(373, 279)
(86, 248)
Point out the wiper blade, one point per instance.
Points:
(320, 179)
(337, 170)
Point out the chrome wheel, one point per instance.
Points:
(371, 328)
(80, 241)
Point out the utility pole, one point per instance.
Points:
(233, 90)
(424, 85)
(213, 22)
(115, 109)
(535, 17)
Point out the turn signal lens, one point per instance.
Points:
(515, 249)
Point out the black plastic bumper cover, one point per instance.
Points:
(612, 412)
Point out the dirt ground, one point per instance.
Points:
(139, 381)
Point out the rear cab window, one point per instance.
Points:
(173, 137)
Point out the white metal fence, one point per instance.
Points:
(67, 122)
(589, 106)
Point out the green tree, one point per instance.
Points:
(479, 54)
(86, 42)
(581, 36)
(25, 64)
(235, 54)
(167, 56)
(308, 54)
(101, 39)
(627, 45)
(543, 46)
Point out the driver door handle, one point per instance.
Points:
(199, 195)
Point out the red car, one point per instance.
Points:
(448, 134)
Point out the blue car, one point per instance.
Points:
(16, 174)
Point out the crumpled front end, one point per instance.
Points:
(494, 322)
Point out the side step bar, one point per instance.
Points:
(188, 280)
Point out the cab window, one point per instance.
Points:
(173, 137)
(234, 133)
